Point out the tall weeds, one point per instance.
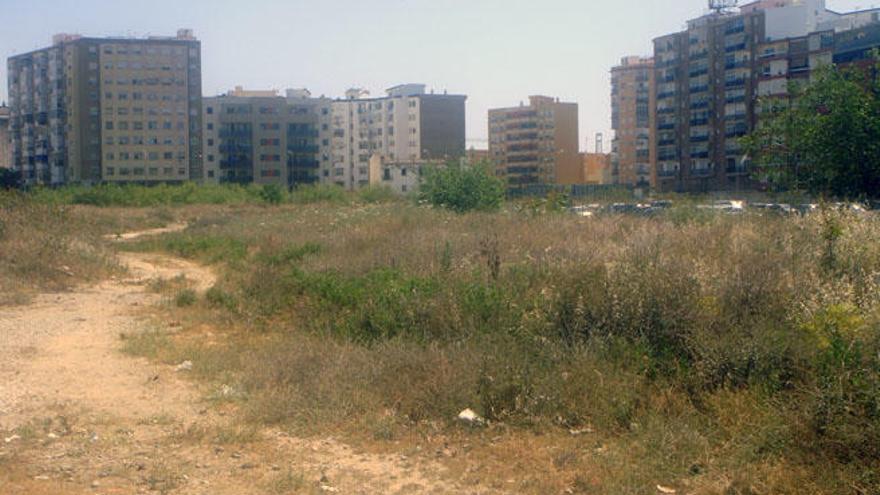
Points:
(732, 336)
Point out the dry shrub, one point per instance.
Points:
(45, 247)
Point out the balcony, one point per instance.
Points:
(666, 142)
(700, 154)
(699, 89)
(237, 134)
(699, 122)
(306, 149)
(735, 48)
(735, 83)
(236, 149)
(736, 65)
(700, 139)
(699, 104)
(300, 133)
(304, 164)
(666, 127)
(737, 131)
(664, 95)
(698, 72)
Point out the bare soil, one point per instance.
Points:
(78, 416)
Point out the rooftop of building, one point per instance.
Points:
(399, 91)
(634, 62)
(184, 36)
(533, 101)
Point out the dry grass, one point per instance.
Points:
(45, 247)
(709, 354)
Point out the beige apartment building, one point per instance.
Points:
(591, 169)
(5, 156)
(535, 145)
(632, 118)
(87, 110)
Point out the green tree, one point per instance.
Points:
(825, 139)
(463, 188)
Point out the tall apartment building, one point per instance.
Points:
(632, 118)
(5, 155)
(710, 76)
(534, 145)
(398, 134)
(86, 110)
(264, 138)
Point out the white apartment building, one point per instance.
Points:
(405, 130)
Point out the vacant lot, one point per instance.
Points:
(703, 353)
(706, 353)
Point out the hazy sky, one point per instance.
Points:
(496, 51)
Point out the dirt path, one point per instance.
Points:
(79, 416)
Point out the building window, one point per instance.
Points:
(210, 111)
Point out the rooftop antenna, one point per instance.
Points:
(722, 6)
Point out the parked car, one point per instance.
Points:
(731, 207)
(807, 208)
(780, 208)
(622, 209)
(585, 211)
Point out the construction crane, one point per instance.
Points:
(722, 6)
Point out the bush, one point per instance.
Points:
(272, 194)
(185, 298)
(463, 188)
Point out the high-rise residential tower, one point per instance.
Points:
(86, 110)
(632, 118)
(709, 79)
(533, 146)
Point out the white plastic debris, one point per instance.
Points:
(184, 366)
(470, 417)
